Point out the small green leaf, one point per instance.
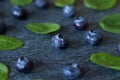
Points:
(62, 3)
(9, 43)
(21, 2)
(43, 28)
(111, 23)
(100, 4)
(4, 72)
(106, 60)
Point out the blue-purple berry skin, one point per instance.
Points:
(80, 23)
(2, 27)
(69, 11)
(93, 38)
(118, 47)
(42, 4)
(24, 65)
(19, 12)
(72, 71)
(59, 41)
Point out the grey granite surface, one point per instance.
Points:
(48, 62)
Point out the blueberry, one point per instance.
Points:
(19, 12)
(41, 4)
(93, 38)
(119, 47)
(80, 23)
(72, 71)
(59, 42)
(69, 11)
(2, 27)
(24, 65)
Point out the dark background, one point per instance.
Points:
(50, 62)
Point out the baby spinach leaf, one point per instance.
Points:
(62, 3)
(9, 43)
(21, 2)
(106, 60)
(4, 71)
(100, 4)
(111, 23)
(43, 28)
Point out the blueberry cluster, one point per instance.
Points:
(58, 41)
(20, 12)
(92, 37)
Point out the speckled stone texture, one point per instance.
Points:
(49, 62)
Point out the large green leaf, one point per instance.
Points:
(4, 71)
(111, 23)
(21, 2)
(106, 60)
(43, 28)
(100, 4)
(9, 43)
(62, 3)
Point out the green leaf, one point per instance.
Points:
(42, 28)
(62, 3)
(9, 43)
(106, 60)
(111, 23)
(21, 2)
(4, 72)
(100, 4)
